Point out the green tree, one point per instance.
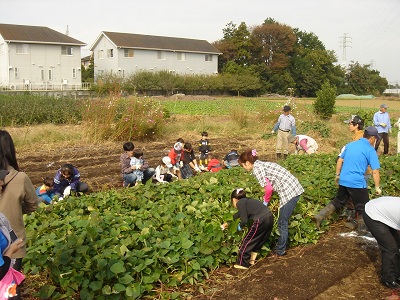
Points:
(363, 80)
(235, 46)
(311, 65)
(88, 73)
(324, 105)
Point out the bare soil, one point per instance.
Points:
(335, 268)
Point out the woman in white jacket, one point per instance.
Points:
(303, 143)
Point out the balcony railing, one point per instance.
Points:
(46, 86)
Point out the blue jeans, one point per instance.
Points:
(285, 213)
(130, 179)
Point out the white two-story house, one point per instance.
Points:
(127, 53)
(38, 58)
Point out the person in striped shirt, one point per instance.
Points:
(284, 183)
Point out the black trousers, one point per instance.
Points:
(389, 242)
(383, 136)
(359, 196)
(257, 236)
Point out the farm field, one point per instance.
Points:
(337, 267)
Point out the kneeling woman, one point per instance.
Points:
(259, 231)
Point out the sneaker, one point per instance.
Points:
(240, 267)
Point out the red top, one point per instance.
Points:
(214, 165)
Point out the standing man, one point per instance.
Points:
(350, 169)
(382, 123)
(285, 124)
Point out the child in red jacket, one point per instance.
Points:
(214, 165)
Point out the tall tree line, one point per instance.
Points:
(287, 59)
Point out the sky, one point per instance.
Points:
(370, 28)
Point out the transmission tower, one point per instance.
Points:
(344, 43)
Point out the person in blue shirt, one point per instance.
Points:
(286, 124)
(350, 169)
(382, 124)
(45, 192)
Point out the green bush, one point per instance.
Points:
(324, 105)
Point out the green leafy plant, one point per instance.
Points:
(324, 105)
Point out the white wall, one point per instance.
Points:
(43, 57)
(147, 60)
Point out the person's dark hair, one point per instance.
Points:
(137, 153)
(180, 140)
(238, 194)
(187, 146)
(360, 126)
(48, 181)
(7, 151)
(67, 169)
(248, 155)
(204, 133)
(128, 146)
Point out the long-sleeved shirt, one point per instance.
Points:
(250, 209)
(60, 182)
(125, 163)
(286, 123)
(284, 183)
(382, 117)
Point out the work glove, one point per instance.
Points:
(67, 191)
(382, 124)
(378, 190)
(265, 203)
(196, 168)
(273, 131)
(390, 130)
(181, 163)
(239, 228)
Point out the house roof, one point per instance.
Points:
(152, 42)
(35, 35)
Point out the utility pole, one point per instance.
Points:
(344, 43)
(67, 32)
(371, 64)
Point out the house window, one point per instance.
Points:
(160, 54)
(208, 57)
(50, 74)
(66, 50)
(100, 53)
(74, 73)
(128, 52)
(16, 73)
(181, 56)
(22, 49)
(42, 75)
(110, 52)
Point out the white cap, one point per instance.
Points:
(167, 161)
(178, 146)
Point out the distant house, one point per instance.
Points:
(36, 57)
(127, 53)
(86, 61)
